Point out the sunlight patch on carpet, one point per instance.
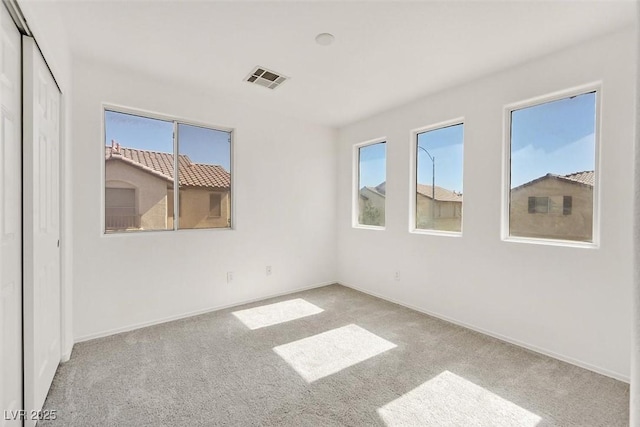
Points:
(450, 400)
(273, 314)
(332, 351)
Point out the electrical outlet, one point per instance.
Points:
(229, 276)
(396, 275)
(268, 270)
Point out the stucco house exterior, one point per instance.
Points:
(447, 207)
(445, 214)
(371, 205)
(555, 207)
(139, 191)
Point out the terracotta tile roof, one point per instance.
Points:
(586, 178)
(441, 194)
(161, 165)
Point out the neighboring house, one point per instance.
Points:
(371, 205)
(139, 191)
(554, 206)
(445, 214)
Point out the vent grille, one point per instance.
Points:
(265, 78)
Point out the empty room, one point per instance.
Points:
(319, 213)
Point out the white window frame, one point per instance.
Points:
(506, 166)
(413, 175)
(355, 168)
(175, 119)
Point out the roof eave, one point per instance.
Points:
(140, 166)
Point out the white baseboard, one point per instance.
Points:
(599, 370)
(128, 328)
(66, 356)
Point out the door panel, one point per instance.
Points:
(41, 227)
(10, 222)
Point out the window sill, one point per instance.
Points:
(167, 231)
(369, 227)
(551, 242)
(435, 232)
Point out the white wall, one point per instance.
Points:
(285, 184)
(574, 303)
(46, 25)
(635, 349)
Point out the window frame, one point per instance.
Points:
(596, 88)
(355, 185)
(175, 119)
(413, 177)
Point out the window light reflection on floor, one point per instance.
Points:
(450, 400)
(324, 354)
(280, 312)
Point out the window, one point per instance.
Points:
(438, 179)
(567, 202)
(142, 163)
(552, 169)
(371, 188)
(560, 205)
(204, 162)
(138, 154)
(215, 201)
(120, 209)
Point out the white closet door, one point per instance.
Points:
(41, 129)
(10, 223)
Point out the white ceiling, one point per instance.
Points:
(386, 53)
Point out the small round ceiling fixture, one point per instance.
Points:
(324, 39)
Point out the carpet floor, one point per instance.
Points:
(330, 356)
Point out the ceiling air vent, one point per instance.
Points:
(267, 78)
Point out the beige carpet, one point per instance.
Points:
(328, 356)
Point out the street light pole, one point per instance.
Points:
(433, 185)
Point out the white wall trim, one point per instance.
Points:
(66, 355)
(567, 359)
(634, 400)
(195, 313)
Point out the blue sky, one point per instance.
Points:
(445, 146)
(372, 164)
(555, 137)
(202, 145)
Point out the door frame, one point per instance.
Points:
(65, 207)
(66, 309)
(42, 256)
